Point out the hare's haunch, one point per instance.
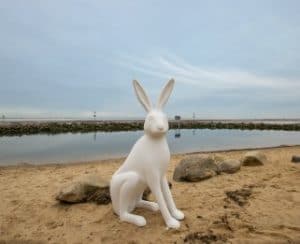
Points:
(146, 165)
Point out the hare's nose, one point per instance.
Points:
(160, 127)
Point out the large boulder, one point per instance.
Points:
(254, 158)
(88, 188)
(229, 166)
(296, 159)
(195, 168)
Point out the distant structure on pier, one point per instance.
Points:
(94, 115)
(3, 117)
(177, 117)
(194, 116)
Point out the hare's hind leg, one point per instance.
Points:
(115, 187)
(129, 192)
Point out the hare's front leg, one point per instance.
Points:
(128, 194)
(155, 187)
(177, 214)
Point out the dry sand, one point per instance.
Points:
(29, 212)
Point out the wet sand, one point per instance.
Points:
(29, 212)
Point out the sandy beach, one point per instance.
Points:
(29, 212)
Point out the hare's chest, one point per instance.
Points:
(149, 155)
(160, 158)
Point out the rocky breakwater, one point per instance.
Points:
(81, 126)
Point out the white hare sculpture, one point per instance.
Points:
(146, 165)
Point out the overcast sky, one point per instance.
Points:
(230, 59)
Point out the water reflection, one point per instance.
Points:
(39, 149)
(177, 133)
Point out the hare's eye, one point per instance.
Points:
(151, 118)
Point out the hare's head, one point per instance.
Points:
(156, 122)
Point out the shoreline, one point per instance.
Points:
(29, 212)
(18, 128)
(97, 161)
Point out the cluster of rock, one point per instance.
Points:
(93, 188)
(201, 167)
(54, 127)
(90, 188)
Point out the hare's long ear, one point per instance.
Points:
(165, 93)
(141, 95)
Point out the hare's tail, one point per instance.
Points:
(115, 187)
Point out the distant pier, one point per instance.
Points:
(17, 128)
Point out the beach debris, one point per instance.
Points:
(239, 196)
(254, 158)
(205, 237)
(88, 188)
(229, 166)
(224, 221)
(195, 168)
(296, 159)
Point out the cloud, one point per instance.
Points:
(207, 78)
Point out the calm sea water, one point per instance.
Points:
(63, 148)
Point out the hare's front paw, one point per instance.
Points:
(173, 223)
(177, 214)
